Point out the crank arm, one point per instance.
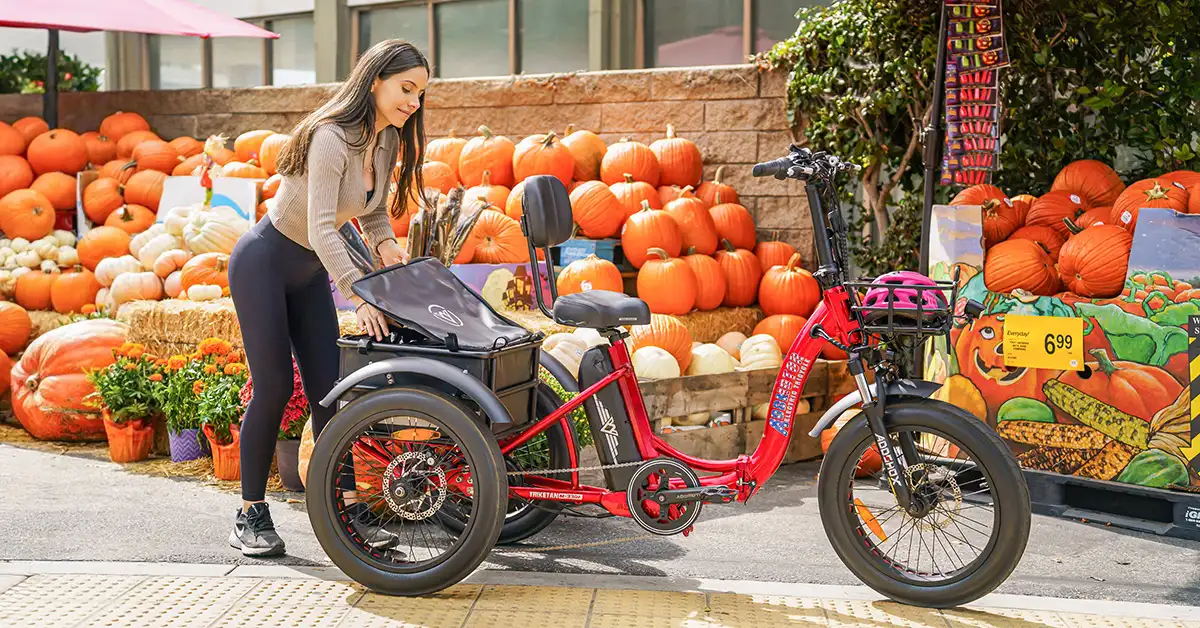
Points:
(706, 494)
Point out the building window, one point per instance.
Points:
(775, 20)
(553, 35)
(694, 32)
(293, 55)
(472, 38)
(176, 62)
(410, 23)
(237, 62)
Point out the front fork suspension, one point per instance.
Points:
(895, 463)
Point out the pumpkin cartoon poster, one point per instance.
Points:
(1127, 417)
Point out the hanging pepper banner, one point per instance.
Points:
(975, 52)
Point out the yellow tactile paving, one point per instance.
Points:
(169, 602)
(765, 610)
(459, 596)
(880, 614)
(649, 603)
(405, 618)
(299, 592)
(310, 616)
(630, 621)
(516, 598)
(1075, 620)
(528, 618)
(1003, 618)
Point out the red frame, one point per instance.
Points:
(744, 474)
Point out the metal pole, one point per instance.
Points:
(50, 97)
(934, 138)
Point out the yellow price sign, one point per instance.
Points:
(1043, 342)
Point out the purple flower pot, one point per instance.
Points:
(187, 445)
(287, 456)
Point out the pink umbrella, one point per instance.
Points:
(155, 17)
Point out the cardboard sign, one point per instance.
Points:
(239, 194)
(1044, 342)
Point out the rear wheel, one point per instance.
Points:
(406, 450)
(975, 528)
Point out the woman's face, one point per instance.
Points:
(399, 96)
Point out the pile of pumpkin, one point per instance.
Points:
(1077, 237)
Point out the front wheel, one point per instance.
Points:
(973, 530)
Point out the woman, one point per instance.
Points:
(336, 167)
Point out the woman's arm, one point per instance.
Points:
(327, 160)
(375, 224)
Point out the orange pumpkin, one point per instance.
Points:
(734, 223)
(5, 368)
(667, 284)
(102, 242)
(50, 392)
(188, 166)
(187, 146)
(596, 210)
(130, 218)
(500, 239)
(270, 187)
(1193, 199)
(1000, 220)
(26, 214)
(679, 160)
(668, 193)
(435, 174)
(782, 327)
(59, 150)
(118, 169)
(631, 193)
(243, 170)
(145, 188)
(11, 141)
(269, 150)
(156, 155)
(30, 127)
(33, 290)
(1051, 208)
(647, 229)
(587, 151)
(512, 207)
(1091, 179)
(627, 156)
(222, 155)
(489, 152)
(547, 156)
(206, 269)
(1023, 264)
(788, 290)
(1049, 239)
(74, 289)
(1022, 203)
(15, 327)
(590, 273)
(1093, 262)
(59, 188)
(101, 198)
(100, 149)
(773, 253)
(1146, 193)
(695, 223)
(1185, 178)
(1137, 389)
(246, 145)
(979, 349)
(266, 206)
(446, 150)
(1094, 216)
(117, 125)
(126, 144)
(977, 194)
(667, 333)
(495, 194)
(710, 280)
(709, 190)
(15, 174)
(742, 275)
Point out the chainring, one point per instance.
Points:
(640, 497)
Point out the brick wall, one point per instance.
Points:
(733, 113)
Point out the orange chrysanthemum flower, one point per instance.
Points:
(157, 377)
(235, 369)
(176, 362)
(198, 387)
(211, 369)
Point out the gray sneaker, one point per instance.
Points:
(254, 533)
(368, 526)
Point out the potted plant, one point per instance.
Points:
(217, 389)
(124, 397)
(172, 388)
(295, 416)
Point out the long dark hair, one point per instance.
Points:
(353, 108)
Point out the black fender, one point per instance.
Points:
(497, 415)
(558, 371)
(900, 389)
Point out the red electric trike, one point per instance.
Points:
(447, 431)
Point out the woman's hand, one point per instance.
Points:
(371, 320)
(392, 253)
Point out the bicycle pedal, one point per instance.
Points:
(719, 495)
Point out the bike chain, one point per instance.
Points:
(599, 467)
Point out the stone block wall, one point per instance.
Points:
(735, 114)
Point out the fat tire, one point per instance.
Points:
(1008, 487)
(490, 486)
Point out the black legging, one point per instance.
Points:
(285, 307)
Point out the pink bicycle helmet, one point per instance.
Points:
(904, 298)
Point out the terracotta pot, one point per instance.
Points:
(129, 441)
(287, 456)
(227, 463)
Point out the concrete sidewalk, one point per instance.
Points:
(79, 594)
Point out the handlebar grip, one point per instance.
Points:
(771, 168)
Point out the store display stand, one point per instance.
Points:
(1129, 506)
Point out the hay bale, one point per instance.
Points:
(710, 326)
(44, 322)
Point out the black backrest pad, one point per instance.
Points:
(428, 298)
(547, 208)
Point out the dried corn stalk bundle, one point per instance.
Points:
(1107, 464)
(1064, 461)
(1051, 434)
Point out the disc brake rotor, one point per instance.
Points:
(410, 492)
(937, 482)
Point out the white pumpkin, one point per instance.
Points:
(7, 252)
(173, 284)
(8, 283)
(732, 342)
(214, 230)
(553, 340)
(135, 286)
(170, 260)
(695, 418)
(5, 242)
(158, 245)
(569, 354)
(45, 248)
(140, 240)
(203, 292)
(110, 268)
(708, 359)
(20, 270)
(28, 259)
(67, 255)
(19, 244)
(177, 218)
(102, 302)
(49, 267)
(651, 362)
(760, 352)
(65, 238)
(590, 336)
